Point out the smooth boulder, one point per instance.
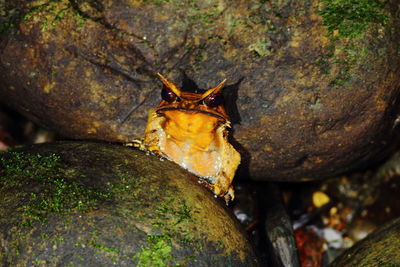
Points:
(94, 204)
(380, 248)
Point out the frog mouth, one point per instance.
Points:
(192, 110)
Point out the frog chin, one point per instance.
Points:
(205, 165)
(209, 178)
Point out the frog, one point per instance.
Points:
(191, 129)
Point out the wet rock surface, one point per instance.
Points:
(381, 248)
(98, 204)
(315, 89)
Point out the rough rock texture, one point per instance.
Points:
(314, 84)
(90, 204)
(381, 248)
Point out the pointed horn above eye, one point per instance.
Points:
(214, 90)
(170, 85)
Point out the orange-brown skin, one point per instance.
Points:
(194, 135)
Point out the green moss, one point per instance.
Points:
(253, 21)
(157, 250)
(178, 213)
(348, 19)
(52, 12)
(39, 262)
(205, 16)
(17, 164)
(94, 243)
(344, 59)
(160, 2)
(261, 47)
(49, 13)
(351, 17)
(156, 2)
(125, 187)
(157, 253)
(57, 195)
(8, 16)
(169, 221)
(200, 12)
(103, 248)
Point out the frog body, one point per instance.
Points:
(191, 130)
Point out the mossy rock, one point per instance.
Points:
(314, 84)
(92, 204)
(380, 248)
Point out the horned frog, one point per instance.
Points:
(191, 129)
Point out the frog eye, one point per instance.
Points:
(213, 100)
(168, 95)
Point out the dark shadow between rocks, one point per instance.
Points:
(188, 84)
(230, 93)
